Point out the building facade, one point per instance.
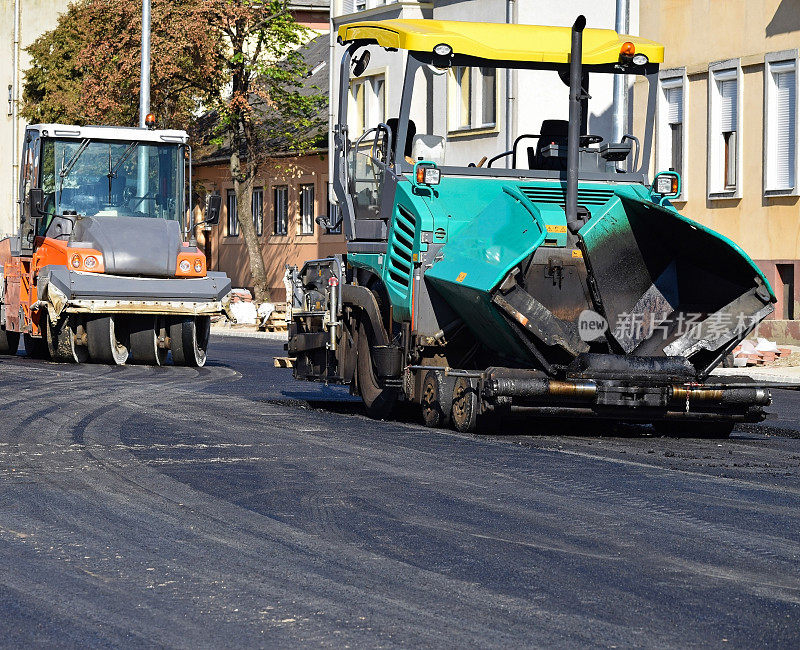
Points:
(21, 23)
(727, 121)
(291, 193)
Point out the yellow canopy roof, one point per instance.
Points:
(499, 41)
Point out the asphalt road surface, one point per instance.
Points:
(233, 507)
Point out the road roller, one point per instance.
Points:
(105, 266)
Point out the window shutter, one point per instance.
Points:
(674, 98)
(728, 105)
(785, 128)
(348, 6)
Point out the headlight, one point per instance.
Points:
(667, 185)
(428, 174)
(76, 261)
(640, 59)
(90, 262)
(663, 184)
(443, 49)
(185, 266)
(198, 266)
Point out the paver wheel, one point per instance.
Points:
(437, 398)
(378, 400)
(188, 340)
(107, 343)
(62, 341)
(465, 404)
(148, 340)
(9, 341)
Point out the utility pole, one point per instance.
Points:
(13, 99)
(144, 101)
(144, 89)
(620, 115)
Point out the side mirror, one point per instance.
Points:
(667, 185)
(36, 204)
(361, 63)
(213, 209)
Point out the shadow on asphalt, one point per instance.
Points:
(490, 424)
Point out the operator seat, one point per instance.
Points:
(393, 123)
(428, 147)
(552, 132)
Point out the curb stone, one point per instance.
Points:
(248, 333)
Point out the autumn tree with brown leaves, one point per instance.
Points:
(86, 70)
(233, 61)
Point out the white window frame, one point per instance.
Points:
(257, 210)
(232, 220)
(357, 6)
(455, 100)
(280, 211)
(372, 108)
(773, 61)
(307, 212)
(717, 72)
(475, 122)
(668, 79)
(483, 123)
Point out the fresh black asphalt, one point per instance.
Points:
(233, 507)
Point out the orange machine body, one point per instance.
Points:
(20, 274)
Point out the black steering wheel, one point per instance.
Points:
(590, 139)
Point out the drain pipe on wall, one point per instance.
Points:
(510, 19)
(620, 114)
(15, 155)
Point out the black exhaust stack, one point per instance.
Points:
(575, 120)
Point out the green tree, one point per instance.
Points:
(262, 108)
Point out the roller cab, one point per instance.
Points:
(554, 278)
(105, 266)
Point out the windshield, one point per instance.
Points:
(112, 179)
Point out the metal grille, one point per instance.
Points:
(402, 249)
(557, 195)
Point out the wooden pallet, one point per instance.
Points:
(277, 319)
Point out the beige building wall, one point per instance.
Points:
(35, 18)
(226, 252)
(696, 35)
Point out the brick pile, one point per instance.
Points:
(762, 353)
